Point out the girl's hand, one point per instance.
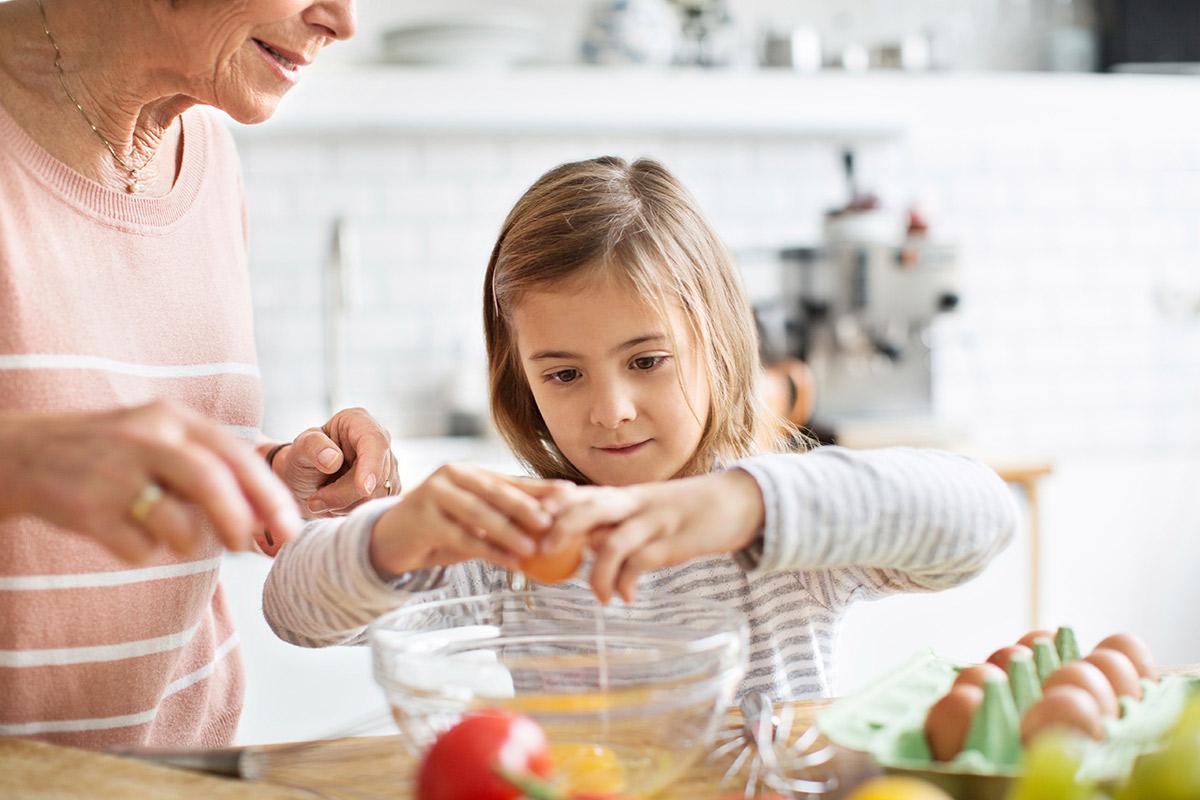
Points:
(459, 513)
(134, 479)
(636, 529)
(332, 469)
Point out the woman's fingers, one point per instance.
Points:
(127, 541)
(175, 524)
(198, 476)
(269, 500)
(313, 451)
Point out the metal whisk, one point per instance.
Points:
(764, 747)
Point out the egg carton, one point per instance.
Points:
(886, 720)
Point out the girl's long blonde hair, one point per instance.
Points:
(635, 223)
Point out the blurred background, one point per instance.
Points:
(976, 222)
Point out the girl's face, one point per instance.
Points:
(606, 380)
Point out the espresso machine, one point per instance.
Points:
(858, 309)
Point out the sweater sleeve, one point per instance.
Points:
(875, 522)
(323, 590)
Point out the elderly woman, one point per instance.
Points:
(127, 363)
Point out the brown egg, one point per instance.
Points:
(1063, 707)
(1029, 638)
(1119, 670)
(1002, 656)
(976, 675)
(1135, 650)
(1089, 678)
(949, 720)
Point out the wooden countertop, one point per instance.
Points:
(368, 768)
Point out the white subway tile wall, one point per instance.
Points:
(1080, 269)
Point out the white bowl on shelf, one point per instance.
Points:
(487, 41)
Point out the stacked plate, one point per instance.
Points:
(479, 40)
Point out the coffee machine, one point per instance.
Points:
(859, 309)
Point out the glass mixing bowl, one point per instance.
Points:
(629, 695)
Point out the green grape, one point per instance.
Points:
(1049, 774)
(1172, 773)
(1189, 720)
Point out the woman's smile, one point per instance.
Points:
(284, 64)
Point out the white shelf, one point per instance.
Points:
(343, 98)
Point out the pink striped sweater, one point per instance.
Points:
(108, 300)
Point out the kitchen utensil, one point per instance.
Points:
(645, 685)
(770, 756)
(297, 764)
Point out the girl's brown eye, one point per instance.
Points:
(564, 375)
(646, 363)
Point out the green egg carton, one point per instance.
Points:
(886, 720)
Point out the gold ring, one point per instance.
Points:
(145, 502)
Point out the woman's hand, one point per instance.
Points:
(636, 529)
(137, 478)
(459, 513)
(340, 465)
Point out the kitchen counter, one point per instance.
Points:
(359, 769)
(371, 768)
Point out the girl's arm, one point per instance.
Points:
(341, 574)
(323, 590)
(885, 520)
(861, 521)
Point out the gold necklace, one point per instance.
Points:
(133, 179)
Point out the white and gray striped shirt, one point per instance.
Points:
(841, 525)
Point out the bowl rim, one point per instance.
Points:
(738, 626)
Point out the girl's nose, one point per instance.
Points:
(613, 407)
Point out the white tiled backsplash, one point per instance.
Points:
(1080, 264)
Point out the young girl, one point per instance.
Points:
(624, 374)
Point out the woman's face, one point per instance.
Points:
(242, 56)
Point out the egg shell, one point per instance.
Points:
(1119, 670)
(975, 675)
(1002, 656)
(1063, 707)
(1136, 651)
(554, 567)
(1089, 678)
(949, 720)
(1031, 637)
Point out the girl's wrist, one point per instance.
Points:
(388, 561)
(744, 500)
